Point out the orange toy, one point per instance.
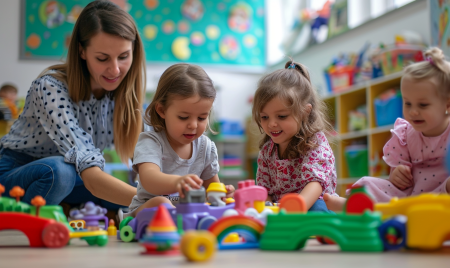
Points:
(293, 203)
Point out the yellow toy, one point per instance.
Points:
(428, 218)
(215, 192)
(198, 245)
(112, 229)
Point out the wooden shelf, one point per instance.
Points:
(339, 105)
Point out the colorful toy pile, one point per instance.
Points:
(44, 226)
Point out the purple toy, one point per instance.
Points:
(91, 214)
(196, 216)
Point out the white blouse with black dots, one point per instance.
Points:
(51, 124)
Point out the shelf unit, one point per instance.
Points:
(339, 104)
(233, 145)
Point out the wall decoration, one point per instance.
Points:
(218, 32)
(338, 22)
(440, 30)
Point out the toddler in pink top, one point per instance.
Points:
(418, 145)
(295, 156)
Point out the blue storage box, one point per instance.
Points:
(387, 111)
(228, 127)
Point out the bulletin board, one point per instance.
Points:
(439, 22)
(225, 32)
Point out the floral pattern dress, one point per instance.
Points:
(283, 176)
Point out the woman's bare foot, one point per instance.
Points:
(334, 203)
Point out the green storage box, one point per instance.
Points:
(357, 159)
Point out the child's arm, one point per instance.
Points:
(230, 188)
(158, 183)
(311, 193)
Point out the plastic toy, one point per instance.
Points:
(356, 232)
(112, 229)
(293, 203)
(427, 220)
(193, 196)
(49, 229)
(359, 201)
(248, 228)
(78, 224)
(195, 216)
(215, 192)
(161, 236)
(249, 193)
(40, 232)
(98, 237)
(198, 246)
(91, 214)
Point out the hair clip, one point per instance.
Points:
(430, 60)
(291, 66)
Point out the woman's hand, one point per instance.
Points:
(401, 177)
(187, 182)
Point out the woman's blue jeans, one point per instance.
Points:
(50, 177)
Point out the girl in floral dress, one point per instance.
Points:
(295, 155)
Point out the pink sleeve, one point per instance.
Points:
(318, 165)
(262, 174)
(395, 151)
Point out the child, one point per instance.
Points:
(295, 156)
(418, 145)
(8, 93)
(174, 154)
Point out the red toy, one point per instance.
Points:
(40, 232)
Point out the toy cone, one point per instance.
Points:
(162, 221)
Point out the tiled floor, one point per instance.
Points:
(15, 253)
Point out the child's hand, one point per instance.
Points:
(186, 182)
(230, 190)
(401, 177)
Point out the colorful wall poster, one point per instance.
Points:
(226, 32)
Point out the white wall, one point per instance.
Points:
(413, 16)
(235, 87)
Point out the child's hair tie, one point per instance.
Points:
(430, 60)
(291, 66)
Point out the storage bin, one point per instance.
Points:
(341, 78)
(228, 127)
(394, 58)
(357, 160)
(388, 110)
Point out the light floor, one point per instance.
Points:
(15, 253)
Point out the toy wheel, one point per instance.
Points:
(126, 234)
(393, 233)
(205, 222)
(198, 245)
(55, 235)
(102, 240)
(125, 222)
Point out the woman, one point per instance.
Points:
(76, 109)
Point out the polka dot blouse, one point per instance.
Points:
(51, 125)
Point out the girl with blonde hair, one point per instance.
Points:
(75, 110)
(418, 146)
